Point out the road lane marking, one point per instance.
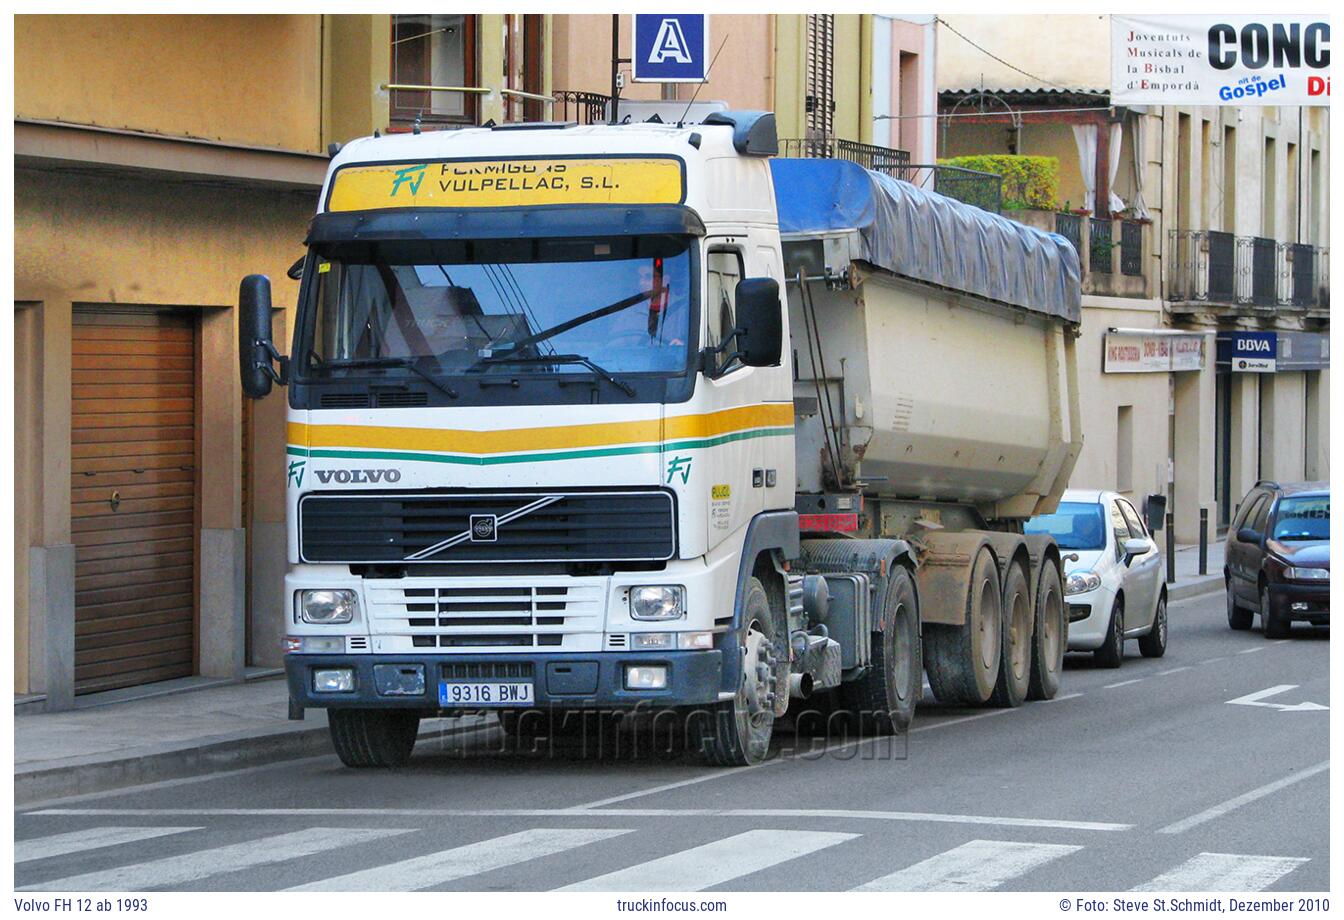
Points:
(1255, 699)
(800, 813)
(1258, 648)
(1212, 660)
(1123, 683)
(1184, 667)
(459, 862)
(654, 790)
(714, 863)
(92, 838)
(1060, 699)
(981, 865)
(191, 867)
(1217, 811)
(1224, 872)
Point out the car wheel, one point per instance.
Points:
(1154, 645)
(1238, 617)
(1112, 651)
(1275, 628)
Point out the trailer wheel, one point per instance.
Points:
(1019, 621)
(373, 737)
(884, 698)
(1051, 638)
(736, 732)
(963, 661)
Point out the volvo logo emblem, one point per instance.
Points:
(483, 528)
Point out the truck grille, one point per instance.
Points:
(507, 527)
(487, 616)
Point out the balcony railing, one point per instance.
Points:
(1208, 266)
(581, 107)
(984, 190)
(1099, 245)
(1111, 267)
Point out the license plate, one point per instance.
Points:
(485, 692)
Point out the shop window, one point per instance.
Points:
(433, 50)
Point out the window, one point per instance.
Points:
(1303, 519)
(1261, 514)
(1124, 449)
(1074, 525)
(433, 50)
(819, 102)
(1247, 510)
(1119, 529)
(1136, 528)
(724, 270)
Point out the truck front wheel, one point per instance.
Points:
(884, 698)
(736, 732)
(373, 737)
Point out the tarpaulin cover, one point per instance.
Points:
(929, 237)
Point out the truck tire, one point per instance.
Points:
(883, 700)
(1154, 645)
(1019, 621)
(1111, 654)
(373, 737)
(963, 661)
(1051, 636)
(736, 732)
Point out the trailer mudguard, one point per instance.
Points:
(873, 558)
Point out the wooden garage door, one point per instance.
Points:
(133, 498)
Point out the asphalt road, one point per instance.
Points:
(1143, 778)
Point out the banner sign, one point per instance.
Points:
(1220, 60)
(670, 48)
(507, 183)
(1136, 353)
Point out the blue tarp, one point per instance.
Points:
(929, 237)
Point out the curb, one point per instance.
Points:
(68, 780)
(1201, 585)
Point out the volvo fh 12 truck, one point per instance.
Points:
(644, 417)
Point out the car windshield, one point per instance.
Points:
(1303, 518)
(455, 308)
(1075, 525)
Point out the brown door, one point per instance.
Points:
(133, 497)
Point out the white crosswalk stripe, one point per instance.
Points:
(1224, 872)
(714, 863)
(91, 839)
(471, 859)
(191, 867)
(981, 865)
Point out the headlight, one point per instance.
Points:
(1293, 573)
(658, 602)
(1081, 582)
(329, 606)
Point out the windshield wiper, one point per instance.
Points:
(412, 364)
(563, 359)
(543, 335)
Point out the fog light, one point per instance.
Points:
(335, 680)
(657, 602)
(645, 677)
(695, 640)
(315, 645)
(652, 640)
(399, 679)
(1299, 605)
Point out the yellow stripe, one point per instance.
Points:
(460, 441)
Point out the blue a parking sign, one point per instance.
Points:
(670, 48)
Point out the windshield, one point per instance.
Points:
(1076, 525)
(515, 307)
(1305, 518)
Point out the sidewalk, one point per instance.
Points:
(148, 734)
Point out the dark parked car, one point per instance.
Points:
(1278, 557)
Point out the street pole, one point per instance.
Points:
(615, 64)
(1203, 541)
(1171, 549)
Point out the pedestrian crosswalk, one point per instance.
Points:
(728, 861)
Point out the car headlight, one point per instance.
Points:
(1293, 573)
(328, 606)
(1081, 582)
(658, 602)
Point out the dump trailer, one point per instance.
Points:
(642, 417)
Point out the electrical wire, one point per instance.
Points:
(943, 22)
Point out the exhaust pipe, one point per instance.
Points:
(800, 686)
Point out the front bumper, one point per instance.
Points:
(560, 680)
(1089, 619)
(1302, 602)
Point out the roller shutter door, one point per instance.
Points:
(133, 498)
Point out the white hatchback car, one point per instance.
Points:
(1113, 585)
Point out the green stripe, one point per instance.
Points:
(538, 458)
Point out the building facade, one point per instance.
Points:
(150, 177)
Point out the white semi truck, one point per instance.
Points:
(642, 416)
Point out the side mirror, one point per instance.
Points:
(1135, 547)
(256, 351)
(1248, 535)
(1155, 512)
(760, 322)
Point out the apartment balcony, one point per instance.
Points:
(581, 107)
(984, 190)
(1112, 252)
(1212, 270)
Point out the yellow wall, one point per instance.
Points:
(1064, 50)
(253, 80)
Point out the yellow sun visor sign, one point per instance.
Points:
(507, 183)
